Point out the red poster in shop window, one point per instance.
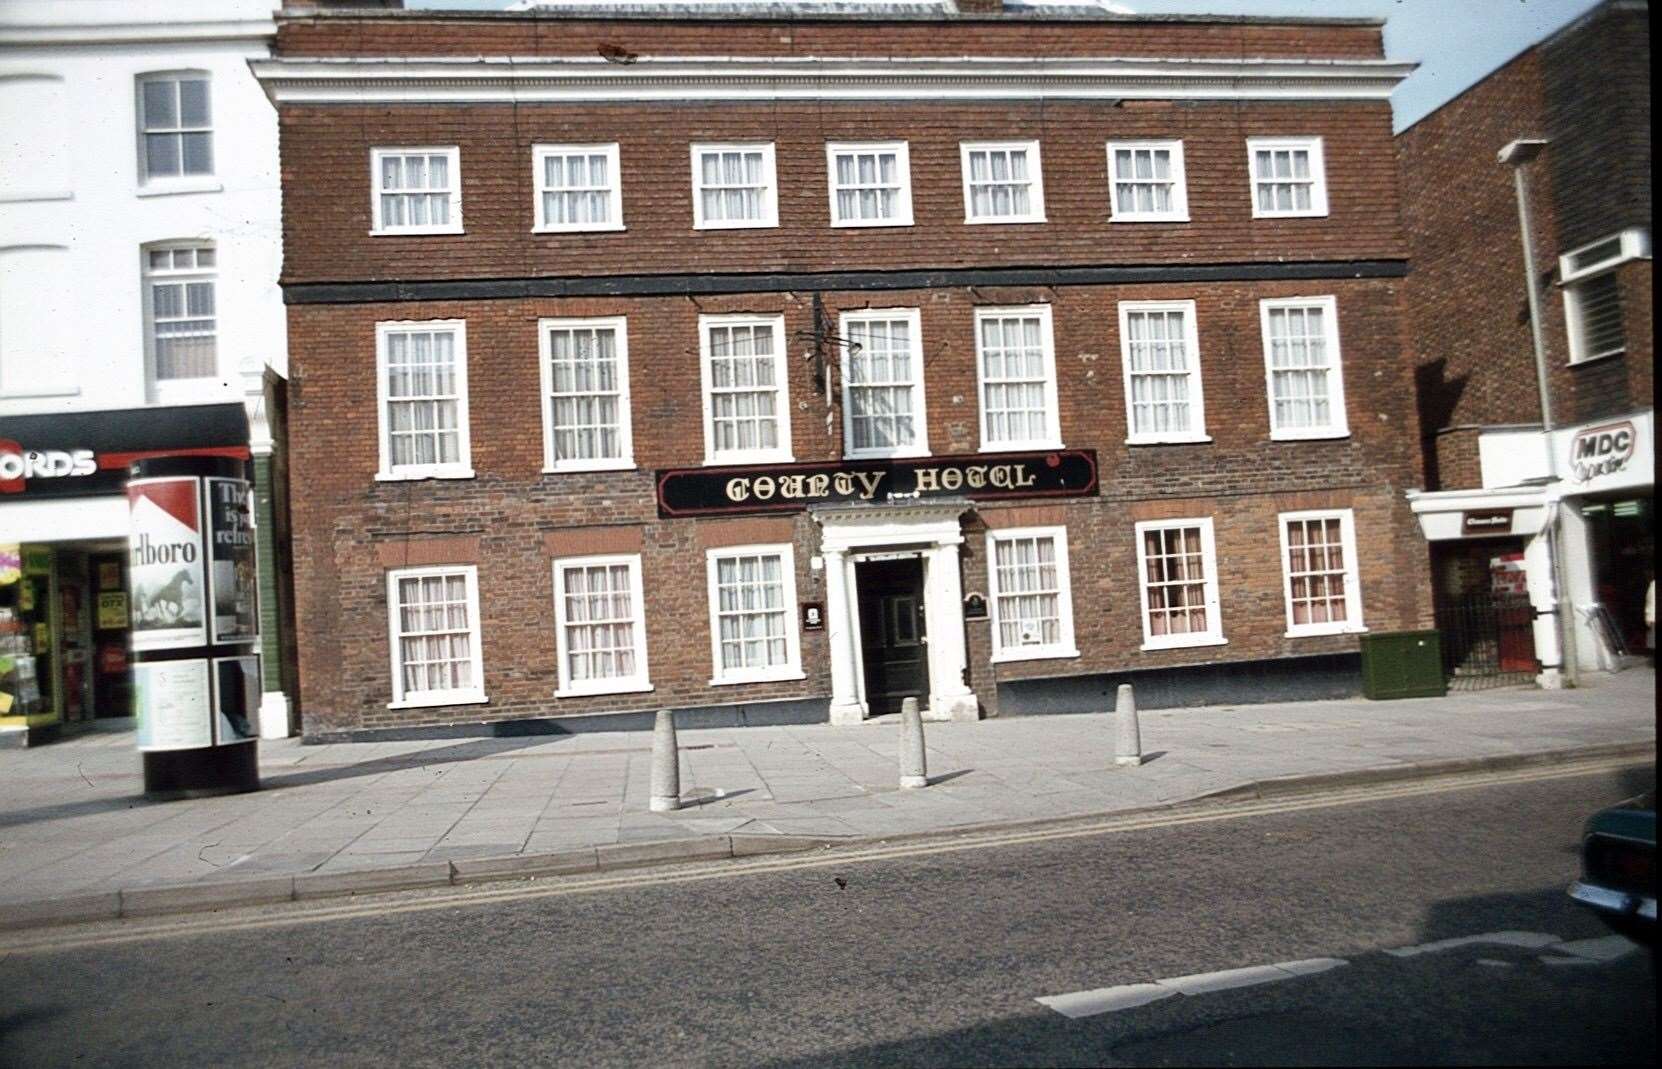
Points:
(112, 660)
(71, 598)
(1514, 618)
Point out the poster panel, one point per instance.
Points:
(170, 700)
(231, 560)
(236, 699)
(165, 570)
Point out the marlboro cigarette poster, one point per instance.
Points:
(165, 570)
(231, 561)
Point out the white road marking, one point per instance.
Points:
(110, 933)
(1129, 996)
(1527, 940)
(1607, 948)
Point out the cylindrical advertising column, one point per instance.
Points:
(195, 626)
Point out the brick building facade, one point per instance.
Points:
(783, 386)
(1585, 93)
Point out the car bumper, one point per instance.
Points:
(1623, 903)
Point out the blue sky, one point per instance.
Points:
(1456, 42)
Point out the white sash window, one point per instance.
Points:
(434, 622)
(1301, 357)
(585, 377)
(1160, 346)
(599, 625)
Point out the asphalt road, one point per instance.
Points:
(934, 958)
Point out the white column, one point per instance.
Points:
(949, 698)
(1538, 576)
(839, 630)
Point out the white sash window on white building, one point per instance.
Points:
(883, 384)
(1160, 348)
(746, 402)
(1288, 177)
(1178, 574)
(417, 190)
(1148, 182)
(1032, 604)
(1301, 356)
(601, 635)
(734, 187)
(578, 188)
(434, 621)
(585, 380)
(182, 318)
(753, 633)
(871, 184)
(1002, 182)
(176, 126)
(1016, 363)
(1318, 555)
(423, 400)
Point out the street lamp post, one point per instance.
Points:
(1516, 155)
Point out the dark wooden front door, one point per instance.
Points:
(892, 635)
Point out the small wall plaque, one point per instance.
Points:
(813, 616)
(975, 607)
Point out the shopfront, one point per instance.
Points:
(64, 592)
(1573, 508)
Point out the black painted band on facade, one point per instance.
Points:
(787, 282)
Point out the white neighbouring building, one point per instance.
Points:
(140, 245)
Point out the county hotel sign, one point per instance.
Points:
(784, 487)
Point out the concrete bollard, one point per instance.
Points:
(1128, 741)
(913, 771)
(666, 765)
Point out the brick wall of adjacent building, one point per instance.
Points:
(1587, 92)
(511, 520)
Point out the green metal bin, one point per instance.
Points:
(1403, 664)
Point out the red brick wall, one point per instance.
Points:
(551, 35)
(326, 182)
(1584, 92)
(344, 518)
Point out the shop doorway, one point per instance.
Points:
(1623, 543)
(893, 638)
(1484, 613)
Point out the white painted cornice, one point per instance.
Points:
(136, 32)
(335, 80)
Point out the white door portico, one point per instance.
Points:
(931, 531)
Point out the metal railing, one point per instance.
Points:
(1488, 640)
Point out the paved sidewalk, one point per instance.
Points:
(74, 821)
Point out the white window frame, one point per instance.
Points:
(174, 388)
(463, 466)
(1052, 408)
(770, 192)
(1197, 385)
(903, 172)
(452, 152)
(1318, 174)
(792, 669)
(148, 183)
(1352, 624)
(1633, 244)
(1036, 194)
(402, 699)
(920, 418)
(1339, 427)
(545, 355)
(1068, 647)
(638, 683)
(539, 182)
(781, 453)
(1213, 636)
(1179, 212)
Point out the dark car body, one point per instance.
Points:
(1618, 867)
